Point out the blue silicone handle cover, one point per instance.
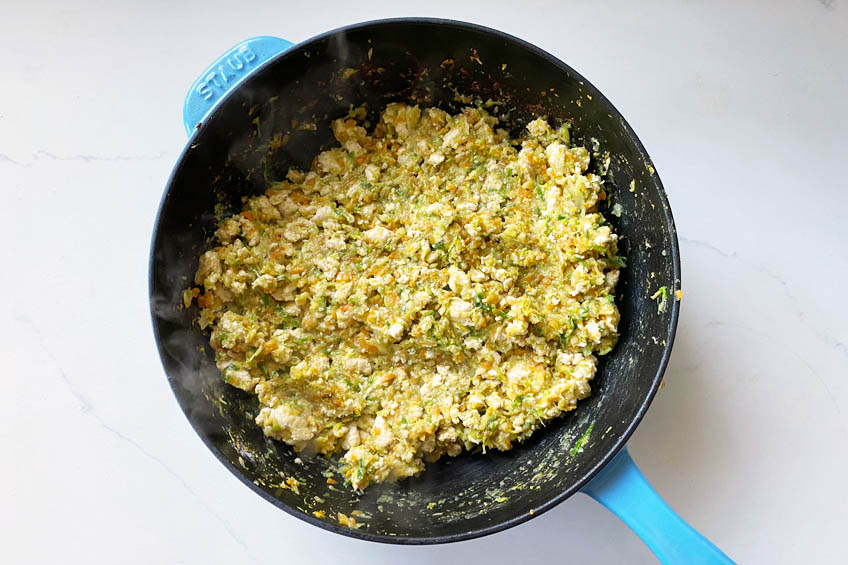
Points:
(225, 73)
(622, 488)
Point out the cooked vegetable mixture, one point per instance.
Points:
(430, 287)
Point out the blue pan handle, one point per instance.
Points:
(225, 73)
(622, 488)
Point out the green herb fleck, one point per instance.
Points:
(254, 355)
(225, 374)
(339, 211)
(565, 336)
(660, 295)
(352, 385)
(481, 304)
(578, 445)
(288, 319)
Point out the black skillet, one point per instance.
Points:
(261, 93)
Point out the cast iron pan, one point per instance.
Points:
(263, 125)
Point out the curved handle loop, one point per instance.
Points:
(225, 73)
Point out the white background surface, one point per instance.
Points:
(743, 109)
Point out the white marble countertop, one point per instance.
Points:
(742, 106)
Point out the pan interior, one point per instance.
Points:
(280, 118)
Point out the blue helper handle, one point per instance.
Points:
(622, 488)
(225, 73)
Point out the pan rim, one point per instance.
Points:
(577, 485)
